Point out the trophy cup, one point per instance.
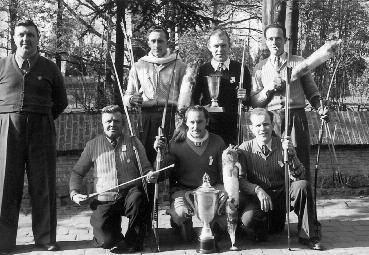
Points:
(205, 206)
(232, 220)
(213, 85)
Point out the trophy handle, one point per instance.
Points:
(189, 201)
(222, 202)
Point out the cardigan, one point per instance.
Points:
(112, 166)
(41, 90)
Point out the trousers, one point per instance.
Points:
(27, 144)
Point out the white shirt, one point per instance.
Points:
(215, 64)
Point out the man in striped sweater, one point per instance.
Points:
(262, 187)
(199, 153)
(113, 160)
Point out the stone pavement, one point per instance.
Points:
(345, 229)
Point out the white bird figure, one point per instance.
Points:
(184, 97)
(231, 168)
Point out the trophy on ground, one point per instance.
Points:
(213, 85)
(205, 206)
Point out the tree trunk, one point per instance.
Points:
(59, 33)
(292, 18)
(119, 49)
(13, 17)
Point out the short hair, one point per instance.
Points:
(275, 25)
(261, 112)
(111, 109)
(220, 32)
(158, 29)
(28, 23)
(197, 108)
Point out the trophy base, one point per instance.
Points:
(207, 246)
(215, 109)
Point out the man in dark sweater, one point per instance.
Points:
(113, 159)
(199, 153)
(222, 123)
(262, 200)
(32, 95)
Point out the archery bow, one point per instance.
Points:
(242, 73)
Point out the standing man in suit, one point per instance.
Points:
(222, 123)
(32, 95)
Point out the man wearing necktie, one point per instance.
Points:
(225, 123)
(32, 95)
(262, 190)
(268, 90)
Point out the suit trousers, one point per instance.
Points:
(27, 144)
(273, 221)
(106, 219)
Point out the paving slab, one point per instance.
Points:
(345, 230)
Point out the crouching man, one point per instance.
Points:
(262, 185)
(199, 153)
(113, 159)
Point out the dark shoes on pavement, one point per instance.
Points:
(48, 247)
(124, 247)
(313, 243)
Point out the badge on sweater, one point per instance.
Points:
(39, 78)
(124, 147)
(210, 160)
(232, 79)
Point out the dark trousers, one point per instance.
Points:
(224, 125)
(299, 131)
(106, 219)
(27, 144)
(273, 221)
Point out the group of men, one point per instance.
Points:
(34, 97)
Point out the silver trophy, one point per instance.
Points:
(205, 206)
(232, 221)
(213, 85)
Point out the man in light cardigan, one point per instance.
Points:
(113, 160)
(262, 187)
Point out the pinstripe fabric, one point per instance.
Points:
(110, 166)
(265, 171)
(264, 73)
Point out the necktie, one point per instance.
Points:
(114, 142)
(25, 66)
(221, 67)
(265, 150)
(277, 63)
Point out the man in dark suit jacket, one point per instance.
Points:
(222, 123)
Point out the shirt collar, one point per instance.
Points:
(215, 63)
(198, 141)
(269, 144)
(32, 60)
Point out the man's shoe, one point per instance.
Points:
(48, 246)
(120, 247)
(313, 243)
(134, 249)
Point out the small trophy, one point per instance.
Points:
(213, 85)
(206, 199)
(232, 220)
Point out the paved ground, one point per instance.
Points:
(345, 231)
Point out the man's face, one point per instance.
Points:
(158, 44)
(261, 127)
(275, 41)
(26, 40)
(112, 124)
(196, 123)
(219, 47)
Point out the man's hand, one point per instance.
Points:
(241, 94)
(265, 200)
(136, 99)
(287, 144)
(323, 112)
(180, 133)
(160, 143)
(152, 177)
(80, 199)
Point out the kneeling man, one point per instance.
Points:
(113, 159)
(199, 153)
(262, 185)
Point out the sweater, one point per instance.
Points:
(112, 166)
(41, 90)
(191, 162)
(264, 171)
(228, 86)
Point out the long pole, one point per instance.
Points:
(242, 73)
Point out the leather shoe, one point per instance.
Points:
(48, 246)
(134, 249)
(313, 244)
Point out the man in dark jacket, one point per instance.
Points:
(32, 95)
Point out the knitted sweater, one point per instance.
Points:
(228, 86)
(264, 171)
(192, 163)
(41, 90)
(111, 166)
